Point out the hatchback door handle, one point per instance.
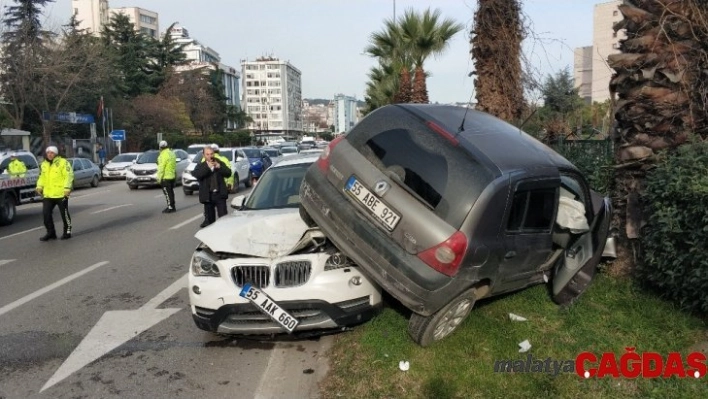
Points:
(510, 255)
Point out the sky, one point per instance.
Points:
(325, 39)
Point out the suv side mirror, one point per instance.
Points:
(238, 201)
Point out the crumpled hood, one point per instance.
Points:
(267, 233)
(118, 165)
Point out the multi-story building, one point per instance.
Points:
(91, 14)
(94, 14)
(272, 96)
(199, 55)
(345, 113)
(595, 82)
(145, 21)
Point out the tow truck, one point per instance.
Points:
(17, 190)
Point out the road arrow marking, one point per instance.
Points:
(6, 261)
(114, 329)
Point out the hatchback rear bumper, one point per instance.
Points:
(370, 248)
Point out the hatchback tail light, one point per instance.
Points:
(446, 256)
(323, 162)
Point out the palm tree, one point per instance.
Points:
(496, 51)
(404, 46)
(661, 93)
(425, 35)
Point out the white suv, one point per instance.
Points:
(239, 165)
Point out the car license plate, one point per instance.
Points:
(113, 173)
(143, 178)
(268, 306)
(383, 213)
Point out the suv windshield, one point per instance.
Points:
(272, 153)
(194, 150)
(445, 178)
(288, 150)
(124, 158)
(228, 154)
(278, 188)
(252, 152)
(148, 157)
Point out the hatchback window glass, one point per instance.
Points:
(76, 164)
(532, 210)
(149, 157)
(278, 188)
(271, 153)
(445, 178)
(87, 164)
(124, 158)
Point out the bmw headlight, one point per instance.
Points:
(203, 264)
(338, 261)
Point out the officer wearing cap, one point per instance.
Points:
(56, 178)
(229, 180)
(166, 175)
(16, 168)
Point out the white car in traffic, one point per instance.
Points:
(262, 271)
(117, 167)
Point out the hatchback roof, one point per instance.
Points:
(505, 146)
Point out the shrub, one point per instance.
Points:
(675, 237)
(593, 158)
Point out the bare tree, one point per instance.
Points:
(193, 88)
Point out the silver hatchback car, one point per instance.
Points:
(442, 206)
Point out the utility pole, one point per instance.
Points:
(394, 11)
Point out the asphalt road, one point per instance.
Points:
(106, 313)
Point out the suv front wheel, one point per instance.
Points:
(427, 329)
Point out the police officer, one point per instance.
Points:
(16, 168)
(56, 177)
(166, 175)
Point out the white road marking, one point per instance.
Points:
(72, 197)
(159, 195)
(186, 222)
(111, 208)
(6, 261)
(49, 288)
(116, 328)
(21, 232)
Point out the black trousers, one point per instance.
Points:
(48, 205)
(216, 205)
(168, 188)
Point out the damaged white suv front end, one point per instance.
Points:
(264, 272)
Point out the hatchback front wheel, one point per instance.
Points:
(425, 330)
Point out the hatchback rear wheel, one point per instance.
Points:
(425, 330)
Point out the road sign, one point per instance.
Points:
(67, 117)
(117, 135)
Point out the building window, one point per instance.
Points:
(615, 46)
(614, 13)
(614, 34)
(147, 19)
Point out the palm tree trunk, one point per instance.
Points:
(661, 95)
(496, 51)
(403, 95)
(420, 89)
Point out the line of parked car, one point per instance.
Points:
(440, 206)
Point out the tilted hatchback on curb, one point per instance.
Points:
(442, 206)
(262, 271)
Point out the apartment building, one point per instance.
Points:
(272, 96)
(199, 55)
(592, 73)
(145, 21)
(94, 14)
(345, 113)
(91, 14)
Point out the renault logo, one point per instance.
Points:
(381, 188)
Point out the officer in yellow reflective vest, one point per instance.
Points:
(56, 178)
(16, 168)
(166, 175)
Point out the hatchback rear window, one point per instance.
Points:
(445, 178)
